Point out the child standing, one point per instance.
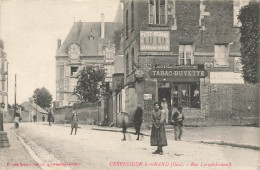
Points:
(178, 118)
(74, 122)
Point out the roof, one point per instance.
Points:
(32, 106)
(81, 33)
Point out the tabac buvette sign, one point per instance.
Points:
(177, 73)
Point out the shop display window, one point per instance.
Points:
(186, 95)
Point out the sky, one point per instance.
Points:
(30, 29)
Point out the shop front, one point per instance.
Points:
(180, 87)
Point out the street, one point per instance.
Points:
(53, 147)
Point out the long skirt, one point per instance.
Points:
(158, 136)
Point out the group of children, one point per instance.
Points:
(159, 117)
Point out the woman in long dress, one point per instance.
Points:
(158, 135)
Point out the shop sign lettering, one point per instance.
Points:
(154, 41)
(171, 73)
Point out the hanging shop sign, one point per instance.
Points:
(177, 73)
(139, 74)
(154, 40)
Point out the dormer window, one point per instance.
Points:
(74, 51)
(91, 36)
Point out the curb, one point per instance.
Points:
(245, 146)
(28, 149)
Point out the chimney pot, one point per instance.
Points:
(102, 26)
(58, 43)
(1, 44)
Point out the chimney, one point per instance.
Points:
(102, 26)
(58, 43)
(1, 44)
(31, 100)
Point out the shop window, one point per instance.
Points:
(186, 95)
(221, 55)
(73, 71)
(157, 11)
(185, 55)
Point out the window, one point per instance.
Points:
(221, 55)
(186, 55)
(73, 71)
(157, 11)
(126, 65)
(74, 51)
(238, 67)
(132, 15)
(186, 95)
(133, 58)
(126, 26)
(173, 12)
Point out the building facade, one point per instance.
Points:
(3, 78)
(88, 43)
(188, 53)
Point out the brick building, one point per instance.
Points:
(88, 43)
(188, 53)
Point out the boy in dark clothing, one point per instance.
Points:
(178, 118)
(138, 119)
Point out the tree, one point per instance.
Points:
(249, 40)
(42, 97)
(90, 80)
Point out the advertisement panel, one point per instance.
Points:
(154, 41)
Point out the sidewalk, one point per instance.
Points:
(11, 157)
(236, 136)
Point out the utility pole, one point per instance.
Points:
(15, 95)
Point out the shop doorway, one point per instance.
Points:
(164, 91)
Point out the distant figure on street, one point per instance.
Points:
(177, 119)
(50, 117)
(43, 118)
(74, 122)
(34, 118)
(124, 122)
(16, 119)
(158, 135)
(138, 119)
(164, 106)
